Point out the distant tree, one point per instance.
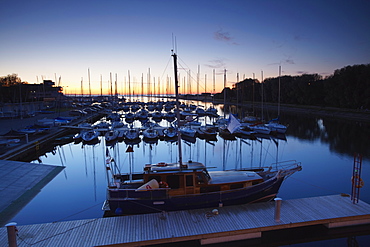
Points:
(348, 87)
(10, 80)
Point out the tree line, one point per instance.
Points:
(348, 87)
(14, 90)
(10, 88)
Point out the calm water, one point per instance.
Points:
(324, 146)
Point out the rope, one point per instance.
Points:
(100, 203)
(88, 222)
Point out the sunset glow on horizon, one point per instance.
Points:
(122, 41)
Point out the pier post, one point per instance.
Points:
(277, 208)
(12, 234)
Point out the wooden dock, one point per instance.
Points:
(230, 224)
(20, 182)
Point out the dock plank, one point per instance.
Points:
(232, 223)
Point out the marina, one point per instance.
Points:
(127, 123)
(84, 171)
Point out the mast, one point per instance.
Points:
(101, 85)
(205, 86)
(111, 86)
(149, 92)
(142, 87)
(237, 85)
(214, 81)
(177, 107)
(224, 92)
(115, 86)
(82, 88)
(129, 85)
(88, 70)
(279, 92)
(254, 82)
(198, 74)
(262, 96)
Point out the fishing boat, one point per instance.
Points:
(189, 185)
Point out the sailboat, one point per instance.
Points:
(274, 124)
(190, 185)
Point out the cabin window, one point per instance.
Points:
(189, 180)
(173, 181)
(206, 175)
(200, 178)
(236, 186)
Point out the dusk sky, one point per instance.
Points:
(63, 39)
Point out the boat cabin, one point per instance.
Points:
(193, 178)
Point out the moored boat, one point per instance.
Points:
(90, 136)
(111, 135)
(150, 133)
(174, 186)
(132, 134)
(207, 132)
(189, 185)
(170, 132)
(187, 131)
(276, 127)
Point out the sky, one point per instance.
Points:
(131, 41)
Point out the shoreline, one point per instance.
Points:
(348, 114)
(332, 112)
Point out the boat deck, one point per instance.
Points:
(231, 223)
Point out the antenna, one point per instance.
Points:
(174, 44)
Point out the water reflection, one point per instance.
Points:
(325, 147)
(343, 136)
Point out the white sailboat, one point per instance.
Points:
(274, 124)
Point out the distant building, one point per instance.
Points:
(45, 91)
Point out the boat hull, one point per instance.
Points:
(125, 202)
